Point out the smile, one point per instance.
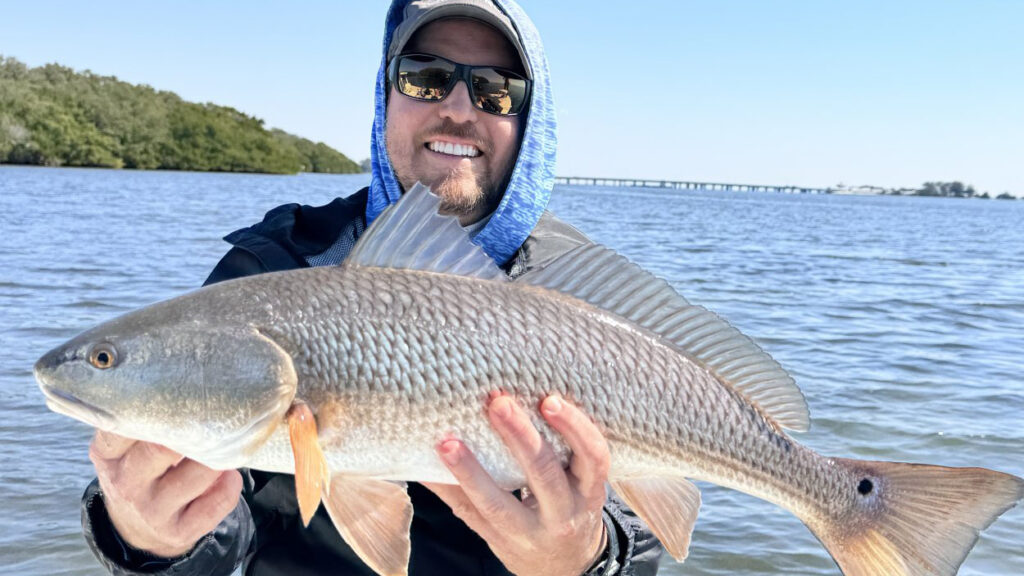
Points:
(452, 149)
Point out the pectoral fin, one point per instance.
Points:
(311, 475)
(668, 505)
(373, 516)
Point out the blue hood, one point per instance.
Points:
(533, 176)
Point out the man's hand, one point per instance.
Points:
(558, 529)
(159, 501)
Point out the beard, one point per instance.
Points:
(465, 194)
(468, 193)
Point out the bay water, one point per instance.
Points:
(902, 320)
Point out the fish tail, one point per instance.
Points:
(911, 519)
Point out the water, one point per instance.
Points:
(902, 320)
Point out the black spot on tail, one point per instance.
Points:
(865, 487)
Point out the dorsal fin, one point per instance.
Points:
(411, 234)
(612, 282)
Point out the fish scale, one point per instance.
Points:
(408, 319)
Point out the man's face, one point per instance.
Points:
(470, 187)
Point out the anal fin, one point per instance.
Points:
(669, 506)
(374, 517)
(311, 475)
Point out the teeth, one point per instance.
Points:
(454, 149)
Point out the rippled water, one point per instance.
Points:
(902, 320)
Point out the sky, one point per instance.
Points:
(805, 93)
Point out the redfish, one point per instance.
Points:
(349, 377)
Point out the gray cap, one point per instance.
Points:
(420, 12)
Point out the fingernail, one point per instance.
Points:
(450, 452)
(552, 405)
(502, 408)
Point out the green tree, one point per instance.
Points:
(317, 157)
(54, 116)
(954, 189)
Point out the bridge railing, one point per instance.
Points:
(685, 185)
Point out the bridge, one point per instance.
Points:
(683, 185)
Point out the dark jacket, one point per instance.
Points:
(264, 529)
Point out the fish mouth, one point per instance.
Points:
(63, 402)
(70, 405)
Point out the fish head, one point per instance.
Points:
(210, 390)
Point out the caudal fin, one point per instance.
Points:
(912, 519)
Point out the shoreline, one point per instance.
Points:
(176, 171)
(858, 191)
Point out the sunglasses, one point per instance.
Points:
(431, 78)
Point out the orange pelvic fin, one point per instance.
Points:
(312, 478)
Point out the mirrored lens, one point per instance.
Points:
(498, 91)
(424, 77)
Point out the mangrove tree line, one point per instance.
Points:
(54, 116)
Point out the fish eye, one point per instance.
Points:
(103, 356)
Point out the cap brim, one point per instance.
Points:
(418, 14)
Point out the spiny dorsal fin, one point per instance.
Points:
(612, 282)
(412, 235)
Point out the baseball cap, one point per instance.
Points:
(421, 12)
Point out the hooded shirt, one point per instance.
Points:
(533, 176)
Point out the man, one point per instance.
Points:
(463, 105)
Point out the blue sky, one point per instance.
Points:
(768, 92)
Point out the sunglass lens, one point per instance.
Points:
(424, 77)
(498, 92)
